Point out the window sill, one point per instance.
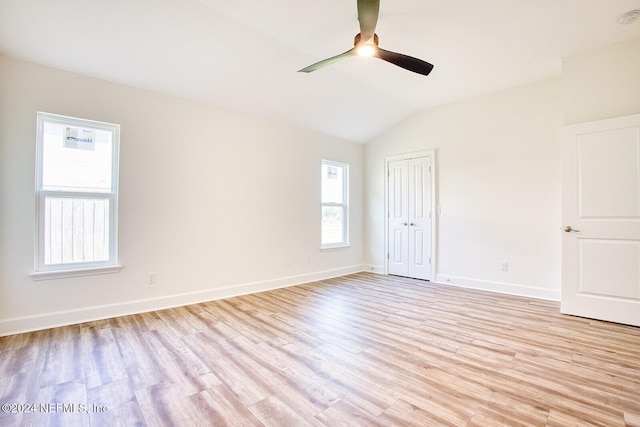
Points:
(75, 272)
(334, 248)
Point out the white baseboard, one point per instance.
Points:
(500, 287)
(18, 325)
(378, 269)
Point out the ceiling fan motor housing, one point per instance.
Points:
(358, 39)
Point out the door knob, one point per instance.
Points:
(404, 223)
(568, 229)
(412, 224)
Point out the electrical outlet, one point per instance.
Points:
(288, 262)
(308, 259)
(151, 277)
(504, 266)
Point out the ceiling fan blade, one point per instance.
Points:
(404, 61)
(328, 61)
(368, 17)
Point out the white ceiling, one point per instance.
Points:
(243, 55)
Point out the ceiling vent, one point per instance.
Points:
(629, 17)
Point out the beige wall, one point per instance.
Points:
(498, 186)
(602, 83)
(214, 202)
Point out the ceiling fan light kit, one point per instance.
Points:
(366, 47)
(366, 44)
(366, 50)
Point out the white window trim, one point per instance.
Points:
(74, 272)
(43, 271)
(345, 206)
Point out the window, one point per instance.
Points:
(335, 180)
(76, 196)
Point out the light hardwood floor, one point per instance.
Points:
(354, 351)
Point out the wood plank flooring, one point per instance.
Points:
(353, 351)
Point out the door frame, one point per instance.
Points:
(431, 153)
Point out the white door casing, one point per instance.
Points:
(410, 222)
(601, 220)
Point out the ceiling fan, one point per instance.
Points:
(366, 44)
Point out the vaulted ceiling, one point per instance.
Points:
(243, 55)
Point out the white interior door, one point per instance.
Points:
(398, 217)
(409, 217)
(601, 219)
